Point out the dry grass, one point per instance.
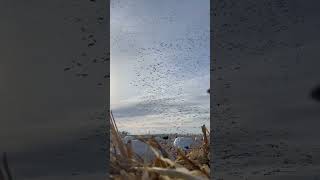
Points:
(5, 173)
(126, 165)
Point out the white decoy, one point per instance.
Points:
(140, 148)
(127, 138)
(183, 142)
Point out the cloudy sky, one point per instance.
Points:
(160, 65)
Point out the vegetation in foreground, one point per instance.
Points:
(125, 164)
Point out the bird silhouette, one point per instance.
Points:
(315, 93)
(67, 69)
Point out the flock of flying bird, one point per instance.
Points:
(159, 68)
(95, 55)
(162, 68)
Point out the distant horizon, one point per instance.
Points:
(160, 66)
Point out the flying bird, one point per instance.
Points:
(315, 93)
(91, 44)
(67, 69)
(82, 75)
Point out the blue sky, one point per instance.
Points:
(160, 65)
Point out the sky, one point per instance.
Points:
(160, 65)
